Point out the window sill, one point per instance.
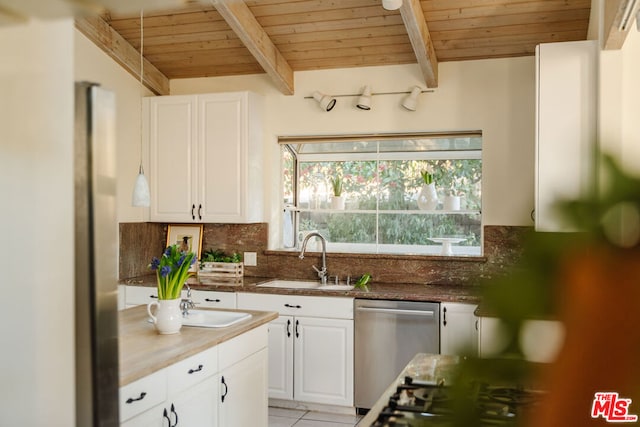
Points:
(398, 257)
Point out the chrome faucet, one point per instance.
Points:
(322, 273)
(187, 303)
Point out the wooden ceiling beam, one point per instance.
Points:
(113, 44)
(257, 41)
(416, 25)
(614, 13)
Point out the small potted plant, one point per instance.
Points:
(220, 265)
(172, 271)
(428, 197)
(337, 201)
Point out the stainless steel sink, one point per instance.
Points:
(213, 318)
(303, 284)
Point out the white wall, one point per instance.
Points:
(92, 64)
(619, 102)
(495, 96)
(37, 383)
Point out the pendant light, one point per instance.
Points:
(141, 194)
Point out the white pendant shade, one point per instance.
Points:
(391, 4)
(141, 194)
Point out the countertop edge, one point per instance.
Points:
(401, 292)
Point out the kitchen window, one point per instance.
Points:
(383, 207)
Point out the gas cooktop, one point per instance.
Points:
(426, 394)
(416, 403)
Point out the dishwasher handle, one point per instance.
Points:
(426, 313)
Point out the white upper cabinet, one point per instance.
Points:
(566, 127)
(205, 157)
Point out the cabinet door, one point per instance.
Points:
(196, 406)
(323, 354)
(154, 417)
(171, 133)
(222, 164)
(458, 329)
(566, 127)
(281, 358)
(243, 393)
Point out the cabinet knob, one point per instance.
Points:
(288, 328)
(193, 216)
(212, 300)
(297, 324)
(200, 211)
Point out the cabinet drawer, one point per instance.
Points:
(137, 295)
(297, 305)
(213, 299)
(242, 346)
(192, 370)
(143, 394)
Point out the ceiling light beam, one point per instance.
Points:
(250, 32)
(618, 15)
(418, 32)
(121, 51)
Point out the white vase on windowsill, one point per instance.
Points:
(451, 203)
(337, 202)
(428, 197)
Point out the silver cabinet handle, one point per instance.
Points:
(427, 313)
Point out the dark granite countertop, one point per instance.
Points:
(391, 291)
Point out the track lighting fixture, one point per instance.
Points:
(391, 4)
(364, 101)
(326, 102)
(410, 102)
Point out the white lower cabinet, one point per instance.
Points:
(212, 388)
(243, 380)
(310, 347)
(184, 394)
(458, 328)
(540, 340)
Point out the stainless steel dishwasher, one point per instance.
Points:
(387, 336)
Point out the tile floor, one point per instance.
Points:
(279, 417)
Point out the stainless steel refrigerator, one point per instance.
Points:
(96, 236)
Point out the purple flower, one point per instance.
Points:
(193, 260)
(182, 257)
(167, 252)
(155, 263)
(165, 270)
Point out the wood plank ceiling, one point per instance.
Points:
(281, 36)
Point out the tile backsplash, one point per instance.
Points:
(139, 242)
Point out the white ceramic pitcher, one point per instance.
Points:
(168, 317)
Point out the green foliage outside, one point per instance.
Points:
(369, 185)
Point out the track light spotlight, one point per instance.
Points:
(326, 102)
(410, 102)
(391, 4)
(364, 101)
